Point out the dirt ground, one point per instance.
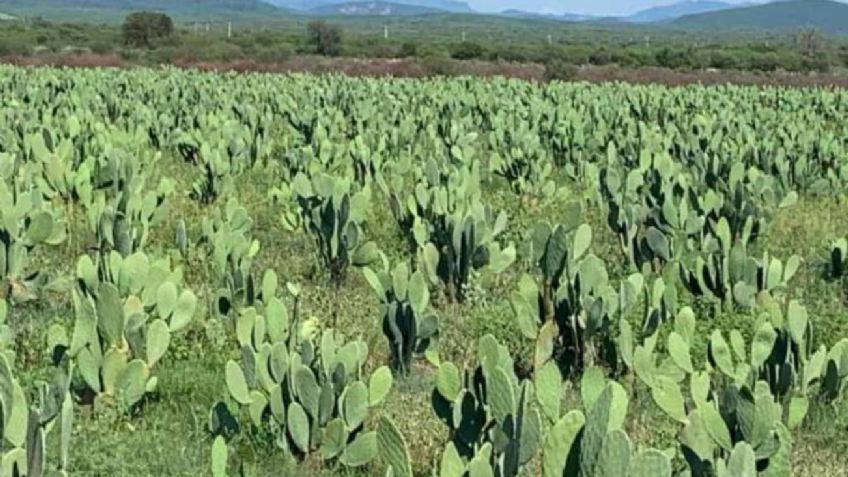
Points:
(417, 68)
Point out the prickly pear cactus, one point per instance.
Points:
(393, 449)
(746, 406)
(521, 159)
(25, 427)
(490, 413)
(467, 244)
(594, 444)
(455, 233)
(331, 211)
(409, 324)
(311, 394)
(228, 236)
(26, 222)
(122, 217)
(725, 271)
(572, 310)
(126, 310)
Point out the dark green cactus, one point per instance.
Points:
(62, 167)
(490, 409)
(741, 409)
(728, 273)
(572, 312)
(224, 148)
(332, 212)
(596, 445)
(651, 209)
(409, 324)
(313, 398)
(468, 245)
(520, 158)
(215, 177)
(416, 213)
(838, 266)
(455, 232)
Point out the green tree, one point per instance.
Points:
(466, 51)
(143, 28)
(325, 37)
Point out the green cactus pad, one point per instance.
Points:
(650, 463)
(379, 385)
(393, 448)
(298, 427)
(236, 383)
(361, 451)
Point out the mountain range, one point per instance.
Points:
(827, 15)
(115, 10)
(451, 6)
(781, 15)
(360, 7)
(658, 14)
(830, 16)
(677, 10)
(565, 17)
(373, 8)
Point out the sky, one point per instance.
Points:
(593, 7)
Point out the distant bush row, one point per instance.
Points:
(152, 38)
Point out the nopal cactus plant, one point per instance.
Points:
(454, 232)
(722, 421)
(122, 221)
(557, 252)
(650, 208)
(494, 425)
(409, 324)
(572, 312)
(217, 175)
(736, 408)
(523, 162)
(25, 223)
(782, 355)
(25, 428)
(314, 399)
(417, 208)
(468, 242)
(219, 457)
(233, 251)
(594, 444)
(332, 213)
(125, 314)
(61, 167)
(393, 450)
(727, 272)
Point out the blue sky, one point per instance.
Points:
(595, 7)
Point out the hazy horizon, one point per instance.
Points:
(586, 7)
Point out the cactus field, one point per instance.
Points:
(265, 275)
